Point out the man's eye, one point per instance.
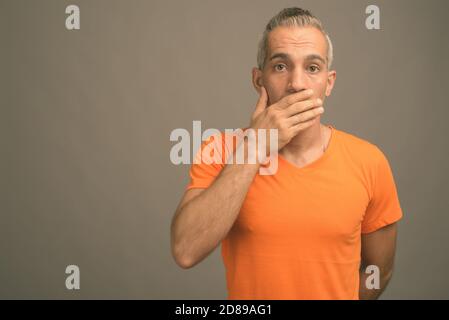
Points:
(279, 67)
(314, 69)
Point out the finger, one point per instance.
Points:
(304, 116)
(262, 102)
(295, 97)
(302, 106)
(301, 126)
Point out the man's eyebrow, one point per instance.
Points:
(280, 55)
(283, 55)
(315, 57)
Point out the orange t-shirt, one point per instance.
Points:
(298, 234)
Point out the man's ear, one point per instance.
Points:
(257, 79)
(331, 77)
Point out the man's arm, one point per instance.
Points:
(205, 216)
(378, 248)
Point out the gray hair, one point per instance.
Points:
(292, 17)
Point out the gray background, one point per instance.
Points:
(86, 115)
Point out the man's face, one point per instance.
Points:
(296, 60)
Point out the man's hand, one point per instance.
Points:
(289, 116)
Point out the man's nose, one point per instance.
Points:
(297, 81)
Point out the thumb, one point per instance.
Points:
(262, 102)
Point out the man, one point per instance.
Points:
(310, 230)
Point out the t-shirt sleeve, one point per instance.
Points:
(202, 172)
(384, 207)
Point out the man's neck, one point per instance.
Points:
(307, 145)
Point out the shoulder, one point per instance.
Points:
(359, 149)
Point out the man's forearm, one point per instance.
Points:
(203, 222)
(366, 293)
